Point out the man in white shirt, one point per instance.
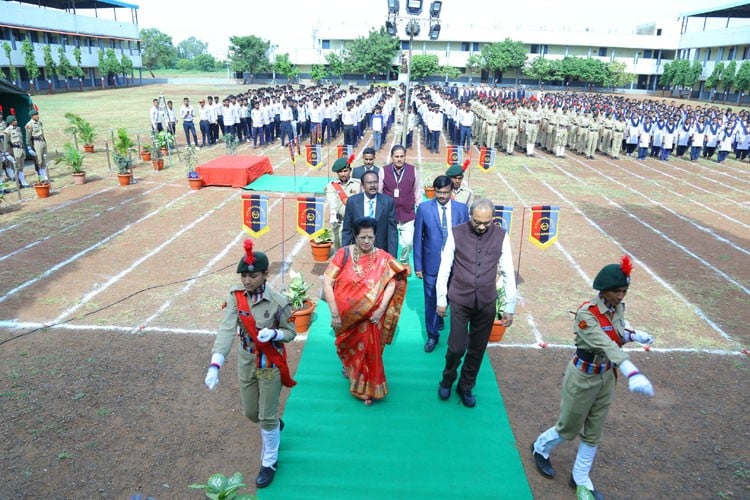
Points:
(187, 113)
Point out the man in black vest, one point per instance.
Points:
(478, 261)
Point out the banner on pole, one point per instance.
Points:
(313, 155)
(544, 225)
(255, 214)
(344, 150)
(486, 159)
(310, 215)
(454, 156)
(504, 217)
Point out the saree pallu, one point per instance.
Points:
(360, 343)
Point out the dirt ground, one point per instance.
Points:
(108, 399)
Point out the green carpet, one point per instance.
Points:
(409, 445)
(286, 184)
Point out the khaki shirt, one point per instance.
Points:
(14, 136)
(335, 205)
(591, 337)
(34, 130)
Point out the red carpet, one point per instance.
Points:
(234, 170)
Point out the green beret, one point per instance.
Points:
(260, 265)
(340, 164)
(610, 277)
(33, 113)
(10, 119)
(454, 171)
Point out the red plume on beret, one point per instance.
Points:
(12, 111)
(350, 160)
(626, 265)
(466, 164)
(249, 257)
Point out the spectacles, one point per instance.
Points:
(477, 223)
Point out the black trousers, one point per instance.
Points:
(470, 331)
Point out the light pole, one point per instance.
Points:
(413, 26)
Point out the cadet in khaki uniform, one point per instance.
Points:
(35, 135)
(338, 193)
(522, 118)
(583, 132)
(511, 131)
(492, 120)
(542, 134)
(563, 123)
(573, 131)
(588, 388)
(593, 139)
(552, 118)
(618, 132)
(605, 144)
(14, 146)
(533, 118)
(261, 316)
(459, 191)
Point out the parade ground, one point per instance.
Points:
(110, 297)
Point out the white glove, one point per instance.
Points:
(268, 334)
(212, 377)
(640, 384)
(641, 337)
(334, 219)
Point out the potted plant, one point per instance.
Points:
(83, 129)
(220, 487)
(164, 140)
(191, 160)
(321, 245)
(42, 189)
(146, 152)
(157, 160)
(230, 143)
(498, 329)
(429, 190)
(302, 306)
(73, 158)
(124, 172)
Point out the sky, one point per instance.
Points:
(288, 23)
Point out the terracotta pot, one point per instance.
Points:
(497, 332)
(303, 317)
(158, 164)
(42, 189)
(79, 178)
(146, 155)
(429, 192)
(89, 148)
(164, 151)
(195, 183)
(124, 179)
(320, 251)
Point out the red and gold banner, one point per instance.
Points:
(313, 155)
(310, 215)
(486, 160)
(255, 214)
(344, 151)
(503, 216)
(544, 225)
(454, 156)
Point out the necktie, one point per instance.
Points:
(371, 208)
(444, 225)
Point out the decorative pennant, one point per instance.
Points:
(503, 217)
(544, 225)
(313, 155)
(344, 150)
(454, 155)
(310, 215)
(486, 159)
(255, 214)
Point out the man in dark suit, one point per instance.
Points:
(368, 164)
(435, 218)
(381, 207)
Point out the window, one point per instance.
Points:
(720, 54)
(648, 54)
(708, 55)
(745, 52)
(404, 44)
(53, 38)
(658, 31)
(602, 51)
(732, 52)
(34, 37)
(545, 49)
(475, 46)
(465, 46)
(534, 49)
(325, 44)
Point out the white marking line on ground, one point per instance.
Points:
(139, 261)
(89, 249)
(8, 228)
(683, 181)
(681, 247)
(297, 247)
(662, 206)
(698, 311)
(734, 178)
(35, 243)
(673, 165)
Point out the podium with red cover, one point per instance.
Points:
(234, 170)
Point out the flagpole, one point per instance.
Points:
(283, 241)
(520, 245)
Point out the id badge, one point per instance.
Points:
(395, 193)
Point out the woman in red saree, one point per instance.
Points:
(365, 288)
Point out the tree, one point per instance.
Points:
(191, 47)
(126, 65)
(616, 76)
(667, 77)
(424, 65)
(64, 68)
(249, 54)
(729, 76)
(318, 73)
(743, 79)
(696, 70)
(157, 50)
(503, 56)
(29, 60)
(50, 68)
(204, 62)
(283, 66)
(474, 64)
(12, 72)
(713, 81)
(108, 63)
(372, 55)
(539, 69)
(450, 72)
(335, 66)
(77, 56)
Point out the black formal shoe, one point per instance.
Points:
(430, 345)
(444, 391)
(597, 494)
(467, 398)
(265, 476)
(281, 425)
(543, 465)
